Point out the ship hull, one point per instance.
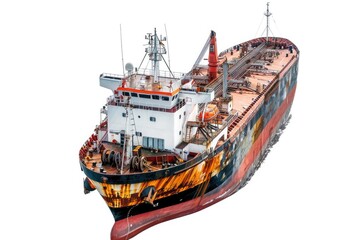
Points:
(225, 183)
(141, 199)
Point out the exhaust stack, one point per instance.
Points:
(213, 58)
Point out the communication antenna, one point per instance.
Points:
(122, 54)
(267, 14)
(167, 45)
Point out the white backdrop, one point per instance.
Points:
(51, 54)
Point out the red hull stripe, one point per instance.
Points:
(127, 228)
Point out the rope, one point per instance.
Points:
(277, 29)
(257, 31)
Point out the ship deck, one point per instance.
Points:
(258, 79)
(156, 160)
(252, 68)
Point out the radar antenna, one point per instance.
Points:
(129, 68)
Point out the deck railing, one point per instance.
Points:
(114, 101)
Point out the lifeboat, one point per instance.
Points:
(209, 114)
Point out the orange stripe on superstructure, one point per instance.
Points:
(149, 92)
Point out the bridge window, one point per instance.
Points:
(164, 98)
(175, 96)
(126, 93)
(134, 94)
(139, 134)
(156, 97)
(144, 96)
(153, 119)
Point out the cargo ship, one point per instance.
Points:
(170, 144)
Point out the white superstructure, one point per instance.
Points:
(150, 107)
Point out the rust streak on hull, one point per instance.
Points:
(127, 228)
(171, 144)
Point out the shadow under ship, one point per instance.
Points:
(170, 144)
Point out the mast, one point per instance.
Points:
(122, 52)
(155, 50)
(167, 45)
(267, 14)
(156, 59)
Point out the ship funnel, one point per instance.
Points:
(213, 57)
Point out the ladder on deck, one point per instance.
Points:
(132, 124)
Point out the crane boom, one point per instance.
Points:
(202, 53)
